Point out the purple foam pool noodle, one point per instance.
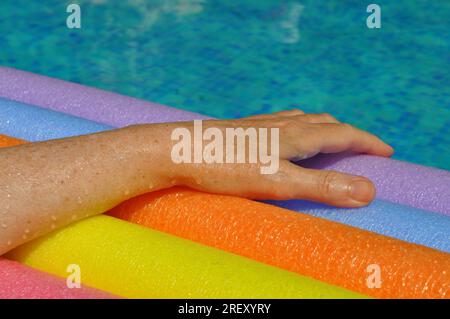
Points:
(83, 101)
(397, 181)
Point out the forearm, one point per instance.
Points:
(47, 185)
(44, 186)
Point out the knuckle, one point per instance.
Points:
(328, 116)
(292, 112)
(348, 127)
(286, 123)
(324, 186)
(279, 194)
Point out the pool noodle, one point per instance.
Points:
(328, 251)
(400, 182)
(136, 262)
(8, 141)
(318, 248)
(115, 109)
(52, 252)
(39, 124)
(21, 282)
(427, 188)
(383, 217)
(389, 219)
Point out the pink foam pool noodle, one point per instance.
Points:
(21, 282)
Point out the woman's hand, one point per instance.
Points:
(301, 136)
(46, 185)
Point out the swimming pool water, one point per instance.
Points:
(236, 58)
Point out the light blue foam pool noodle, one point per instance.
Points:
(403, 222)
(394, 220)
(34, 124)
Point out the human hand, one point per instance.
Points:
(301, 136)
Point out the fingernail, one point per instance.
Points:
(361, 191)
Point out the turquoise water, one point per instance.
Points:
(242, 57)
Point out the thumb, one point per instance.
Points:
(328, 187)
(290, 182)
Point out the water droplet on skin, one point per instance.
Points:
(9, 243)
(8, 195)
(79, 200)
(127, 192)
(4, 225)
(27, 231)
(25, 236)
(53, 226)
(53, 217)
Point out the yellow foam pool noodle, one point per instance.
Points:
(135, 262)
